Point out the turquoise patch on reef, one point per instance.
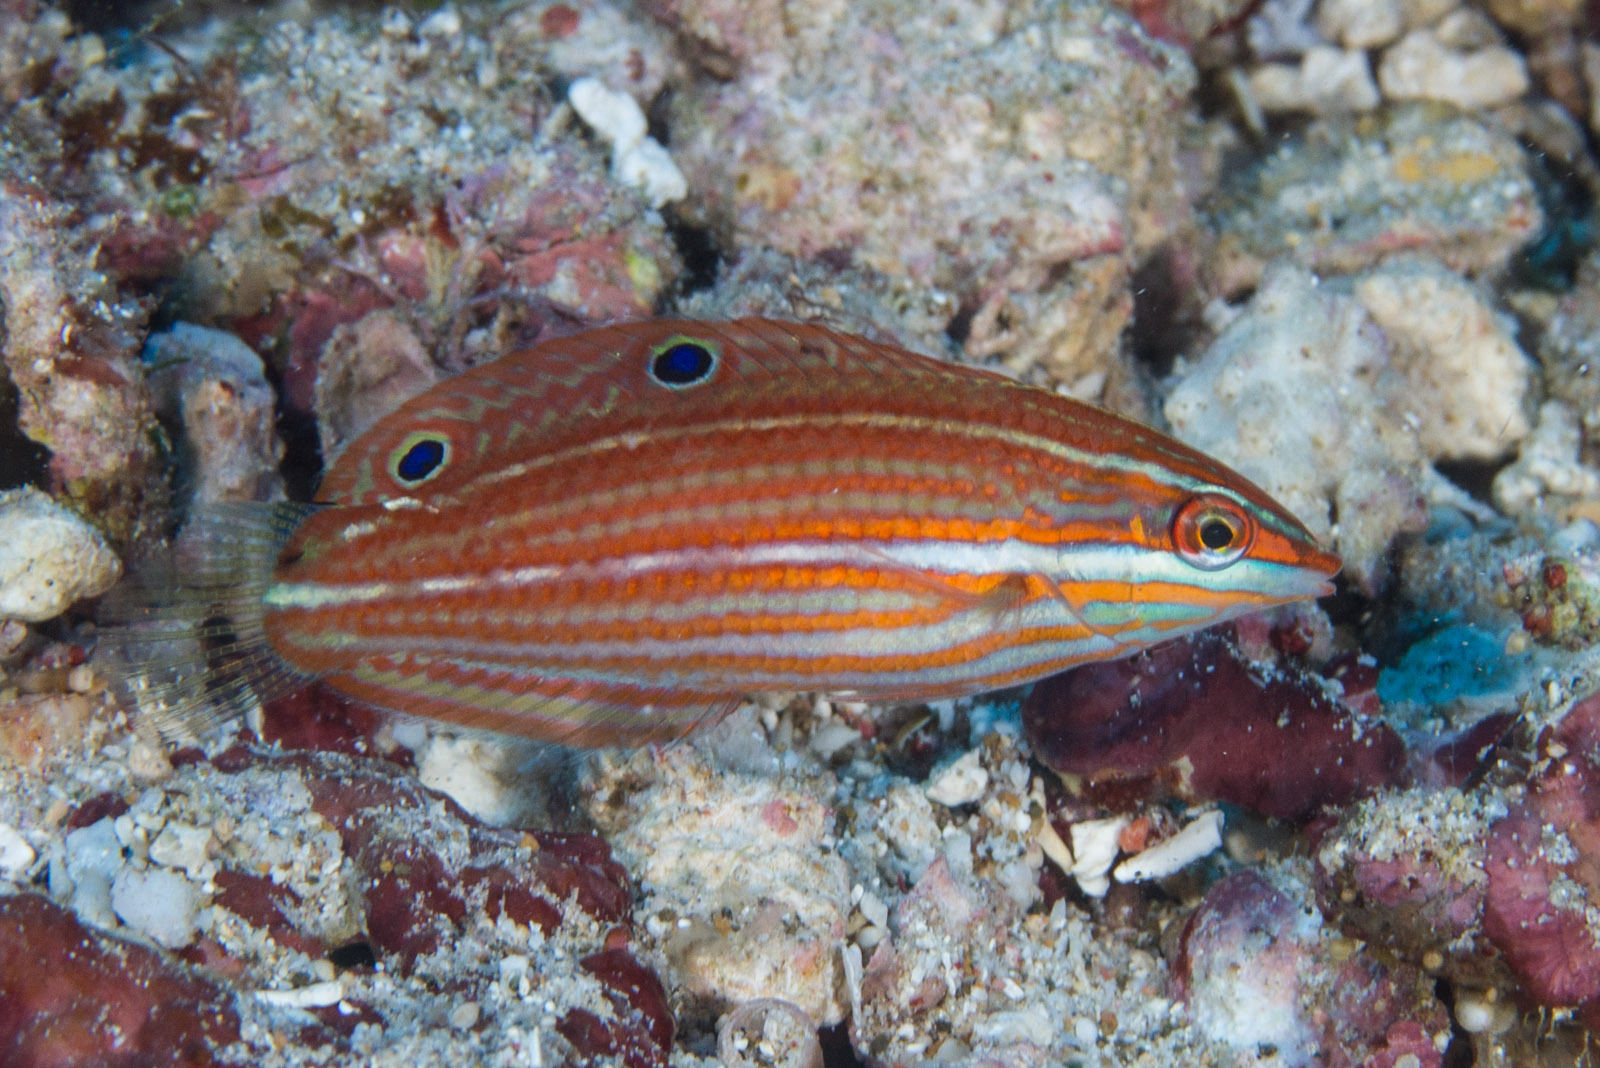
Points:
(1457, 661)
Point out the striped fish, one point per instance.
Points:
(612, 537)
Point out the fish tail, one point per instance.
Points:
(183, 637)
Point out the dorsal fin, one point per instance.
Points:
(601, 383)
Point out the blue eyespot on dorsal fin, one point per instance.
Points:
(418, 458)
(681, 361)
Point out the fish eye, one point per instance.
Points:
(418, 458)
(1211, 531)
(682, 361)
(1216, 533)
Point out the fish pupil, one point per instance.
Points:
(682, 364)
(1216, 534)
(421, 460)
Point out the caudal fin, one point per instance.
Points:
(182, 637)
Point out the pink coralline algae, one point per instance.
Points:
(262, 904)
(1187, 22)
(412, 896)
(1197, 720)
(69, 348)
(1492, 887)
(347, 862)
(1405, 871)
(316, 717)
(1544, 871)
(1257, 968)
(69, 995)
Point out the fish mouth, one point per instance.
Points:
(1320, 567)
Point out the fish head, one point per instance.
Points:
(1193, 543)
(1232, 538)
(1204, 545)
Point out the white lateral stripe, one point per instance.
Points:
(1107, 563)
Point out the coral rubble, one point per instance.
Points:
(1346, 246)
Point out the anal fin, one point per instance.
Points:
(513, 700)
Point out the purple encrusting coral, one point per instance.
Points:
(1345, 246)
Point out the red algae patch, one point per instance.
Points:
(1196, 720)
(71, 995)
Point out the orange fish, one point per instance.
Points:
(612, 537)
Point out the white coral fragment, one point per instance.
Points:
(1547, 464)
(1095, 845)
(158, 903)
(1360, 23)
(15, 853)
(313, 996)
(180, 845)
(1282, 28)
(1200, 837)
(637, 159)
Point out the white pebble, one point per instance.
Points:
(1325, 81)
(874, 911)
(394, 23)
(514, 967)
(1360, 23)
(446, 22)
(93, 857)
(1031, 1025)
(959, 783)
(158, 903)
(1421, 67)
(15, 853)
(181, 846)
(48, 557)
(1481, 1012)
(464, 1015)
(831, 738)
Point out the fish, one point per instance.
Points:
(614, 537)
